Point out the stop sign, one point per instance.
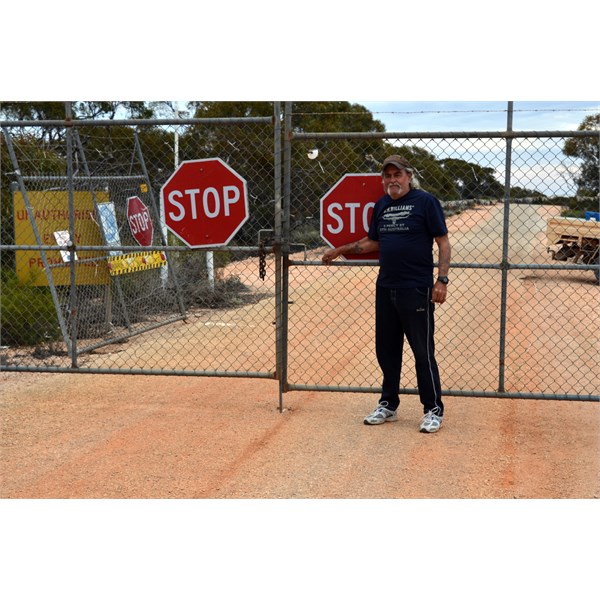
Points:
(140, 222)
(204, 202)
(346, 211)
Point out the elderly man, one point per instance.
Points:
(404, 224)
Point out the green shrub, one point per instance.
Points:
(307, 234)
(27, 314)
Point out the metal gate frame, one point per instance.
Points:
(283, 139)
(71, 344)
(504, 266)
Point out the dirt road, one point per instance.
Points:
(126, 436)
(90, 436)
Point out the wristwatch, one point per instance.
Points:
(443, 279)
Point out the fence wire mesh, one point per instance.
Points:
(517, 321)
(522, 315)
(200, 310)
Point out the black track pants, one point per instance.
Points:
(399, 313)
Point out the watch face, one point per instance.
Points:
(443, 279)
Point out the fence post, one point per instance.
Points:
(285, 246)
(73, 298)
(504, 261)
(277, 221)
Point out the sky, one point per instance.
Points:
(481, 116)
(538, 164)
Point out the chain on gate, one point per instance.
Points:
(262, 260)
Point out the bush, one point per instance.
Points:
(192, 277)
(307, 234)
(578, 206)
(27, 314)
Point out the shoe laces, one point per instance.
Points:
(381, 409)
(430, 416)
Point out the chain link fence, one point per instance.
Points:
(522, 319)
(84, 306)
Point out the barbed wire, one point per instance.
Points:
(432, 112)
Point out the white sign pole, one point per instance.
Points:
(163, 225)
(210, 268)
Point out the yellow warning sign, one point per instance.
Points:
(135, 261)
(50, 210)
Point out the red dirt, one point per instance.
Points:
(125, 436)
(119, 436)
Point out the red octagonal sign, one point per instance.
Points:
(204, 202)
(346, 211)
(140, 221)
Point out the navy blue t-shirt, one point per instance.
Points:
(405, 229)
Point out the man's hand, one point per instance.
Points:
(438, 294)
(362, 246)
(330, 256)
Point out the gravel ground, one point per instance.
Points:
(121, 436)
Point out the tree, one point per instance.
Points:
(586, 149)
(56, 111)
(249, 148)
(472, 180)
(312, 178)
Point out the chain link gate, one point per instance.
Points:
(265, 306)
(103, 304)
(517, 323)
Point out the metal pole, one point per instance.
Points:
(504, 262)
(138, 148)
(210, 268)
(161, 215)
(285, 246)
(115, 280)
(73, 299)
(279, 348)
(176, 140)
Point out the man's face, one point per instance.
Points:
(396, 182)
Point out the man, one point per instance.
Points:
(404, 224)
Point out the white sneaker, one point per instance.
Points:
(431, 422)
(380, 415)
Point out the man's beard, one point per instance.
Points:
(399, 190)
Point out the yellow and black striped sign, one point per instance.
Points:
(135, 261)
